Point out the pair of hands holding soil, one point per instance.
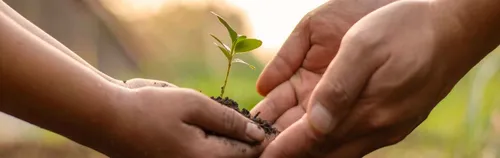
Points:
(355, 76)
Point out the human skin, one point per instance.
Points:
(288, 80)
(44, 86)
(29, 26)
(391, 69)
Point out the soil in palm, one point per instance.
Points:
(265, 125)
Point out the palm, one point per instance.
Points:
(290, 77)
(310, 48)
(302, 83)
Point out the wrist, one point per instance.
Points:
(114, 120)
(463, 35)
(99, 124)
(119, 128)
(474, 22)
(359, 8)
(348, 12)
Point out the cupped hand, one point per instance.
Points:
(393, 66)
(289, 79)
(174, 122)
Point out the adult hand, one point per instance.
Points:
(392, 68)
(172, 122)
(289, 79)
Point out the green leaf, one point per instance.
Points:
(237, 60)
(231, 31)
(220, 42)
(241, 37)
(246, 45)
(224, 51)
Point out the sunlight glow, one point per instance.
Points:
(135, 9)
(271, 20)
(145, 5)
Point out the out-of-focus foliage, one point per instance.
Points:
(174, 45)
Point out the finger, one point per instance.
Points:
(296, 141)
(287, 60)
(306, 143)
(225, 147)
(367, 118)
(289, 117)
(368, 115)
(222, 120)
(199, 144)
(276, 102)
(341, 84)
(382, 138)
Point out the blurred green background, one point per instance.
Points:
(168, 40)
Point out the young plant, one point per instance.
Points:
(239, 44)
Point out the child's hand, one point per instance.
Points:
(172, 122)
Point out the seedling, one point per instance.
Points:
(239, 44)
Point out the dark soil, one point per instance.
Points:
(263, 124)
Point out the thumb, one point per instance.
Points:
(330, 102)
(338, 89)
(288, 59)
(296, 141)
(224, 121)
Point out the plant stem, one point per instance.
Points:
(229, 64)
(223, 88)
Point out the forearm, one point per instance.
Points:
(30, 27)
(479, 19)
(42, 85)
(466, 31)
(474, 24)
(355, 9)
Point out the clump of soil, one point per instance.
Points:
(263, 124)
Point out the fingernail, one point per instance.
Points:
(254, 132)
(321, 119)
